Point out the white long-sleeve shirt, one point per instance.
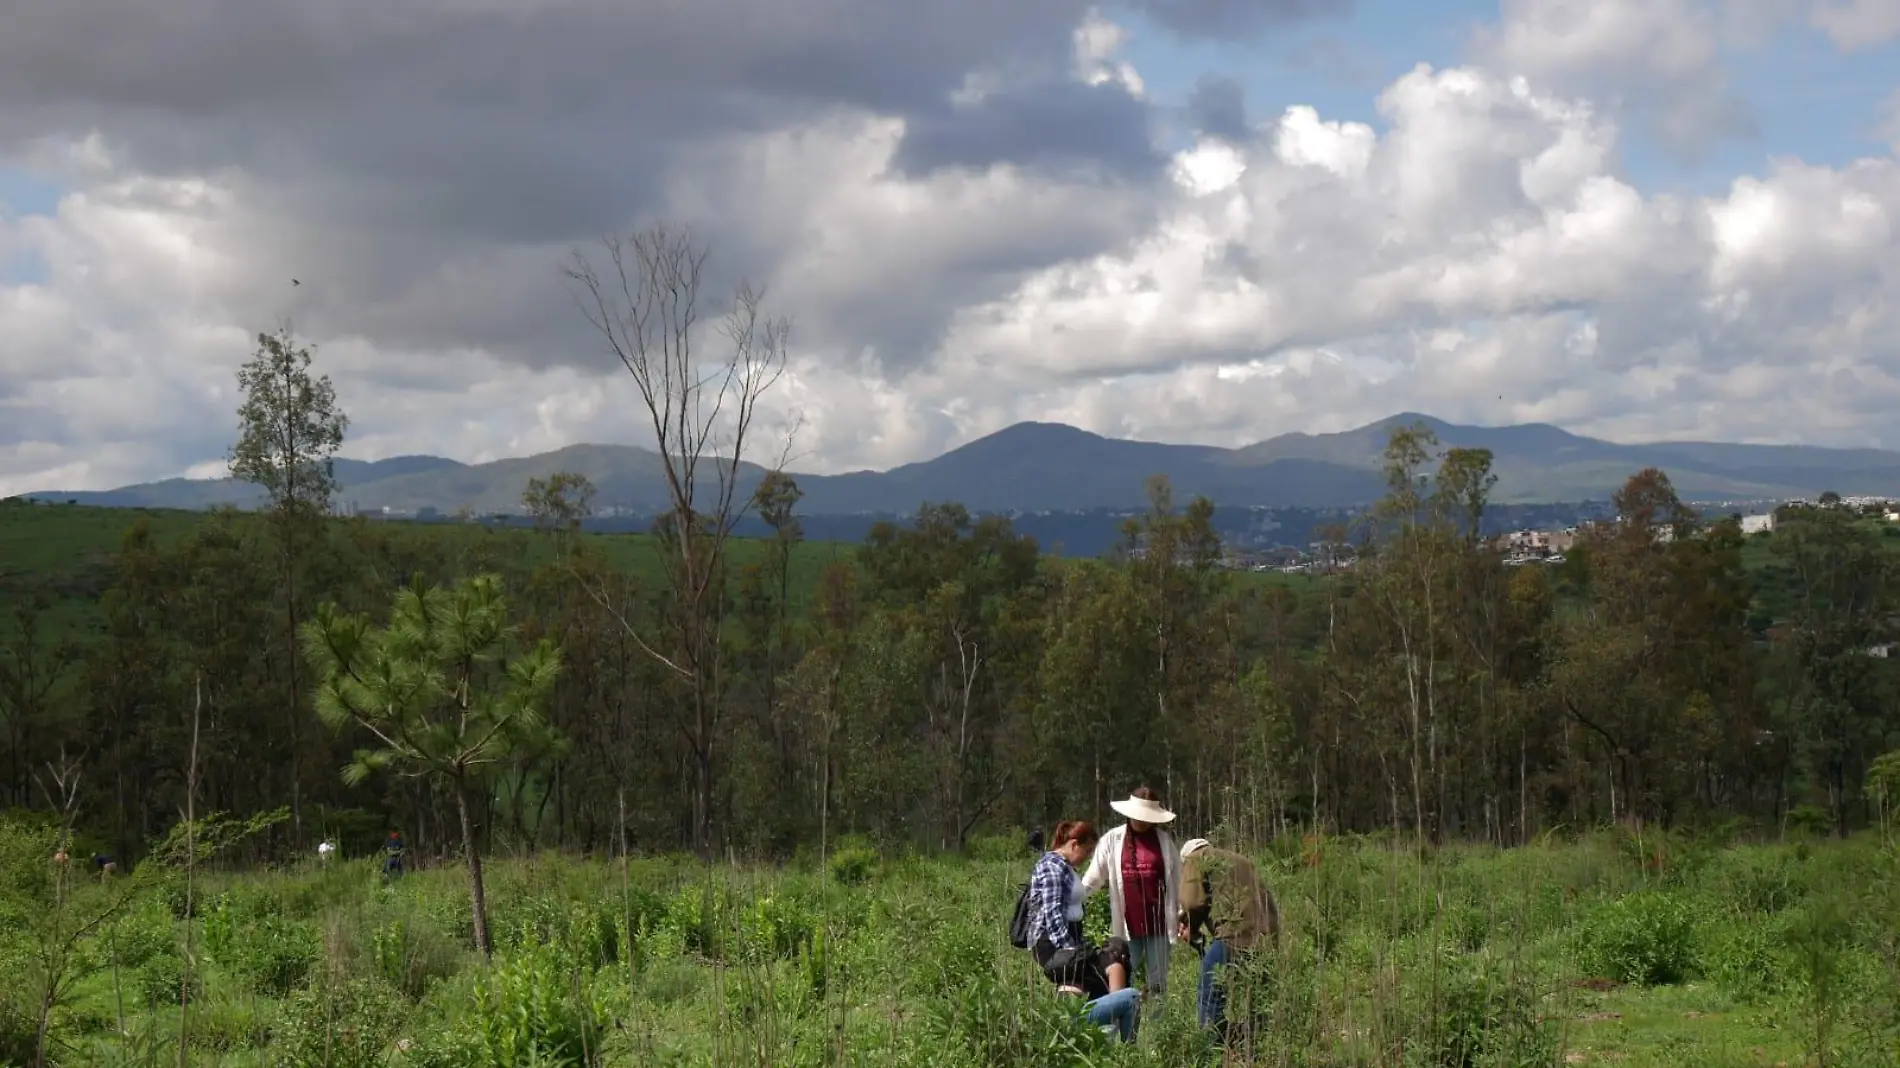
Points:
(1105, 870)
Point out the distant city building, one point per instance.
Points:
(1535, 546)
(1758, 524)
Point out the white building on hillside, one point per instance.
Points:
(1758, 524)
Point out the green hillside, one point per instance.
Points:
(69, 550)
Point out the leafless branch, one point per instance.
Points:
(644, 302)
(626, 625)
(63, 792)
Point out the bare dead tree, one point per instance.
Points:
(61, 787)
(644, 300)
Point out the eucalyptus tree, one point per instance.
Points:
(289, 431)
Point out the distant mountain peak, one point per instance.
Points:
(1031, 428)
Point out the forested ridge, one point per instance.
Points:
(946, 676)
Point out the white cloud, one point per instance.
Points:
(1098, 44)
(1858, 24)
(1480, 255)
(1660, 59)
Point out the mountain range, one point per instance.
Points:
(1047, 467)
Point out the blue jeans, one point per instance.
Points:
(1213, 994)
(1122, 1010)
(1149, 956)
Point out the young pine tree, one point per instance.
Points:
(443, 690)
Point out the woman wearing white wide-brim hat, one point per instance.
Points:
(1141, 869)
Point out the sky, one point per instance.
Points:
(1208, 221)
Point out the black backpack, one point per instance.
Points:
(1019, 922)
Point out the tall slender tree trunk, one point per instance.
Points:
(477, 895)
(702, 781)
(294, 719)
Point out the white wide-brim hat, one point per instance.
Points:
(1142, 810)
(1193, 846)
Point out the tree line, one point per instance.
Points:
(948, 677)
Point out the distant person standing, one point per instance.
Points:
(325, 850)
(393, 852)
(1138, 864)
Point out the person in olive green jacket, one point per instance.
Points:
(1227, 913)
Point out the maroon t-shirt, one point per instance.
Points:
(1144, 880)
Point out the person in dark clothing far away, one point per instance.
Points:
(1035, 840)
(393, 851)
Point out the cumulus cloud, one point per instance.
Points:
(1659, 59)
(967, 209)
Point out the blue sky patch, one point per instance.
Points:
(23, 193)
(1807, 99)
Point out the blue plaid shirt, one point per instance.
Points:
(1049, 888)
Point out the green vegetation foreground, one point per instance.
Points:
(1618, 949)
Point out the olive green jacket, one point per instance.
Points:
(1222, 896)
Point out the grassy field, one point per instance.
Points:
(1611, 950)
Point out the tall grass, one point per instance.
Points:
(1592, 951)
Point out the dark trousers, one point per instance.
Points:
(1080, 965)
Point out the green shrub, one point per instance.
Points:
(536, 1010)
(952, 953)
(589, 931)
(1647, 939)
(346, 1024)
(19, 1032)
(698, 920)
(670, 981)
(412, 956)
(161, 981)
(1465, 927)
(988, 1021)
(776, 927)
(139, 934)
(1744, 959)
(853, 864)
(1477, 1013)
(1810, 820)
(998, 849)
(1758, 882)
(274, 955)
(225, 1025)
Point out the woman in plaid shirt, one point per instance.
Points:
(1055, 934)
